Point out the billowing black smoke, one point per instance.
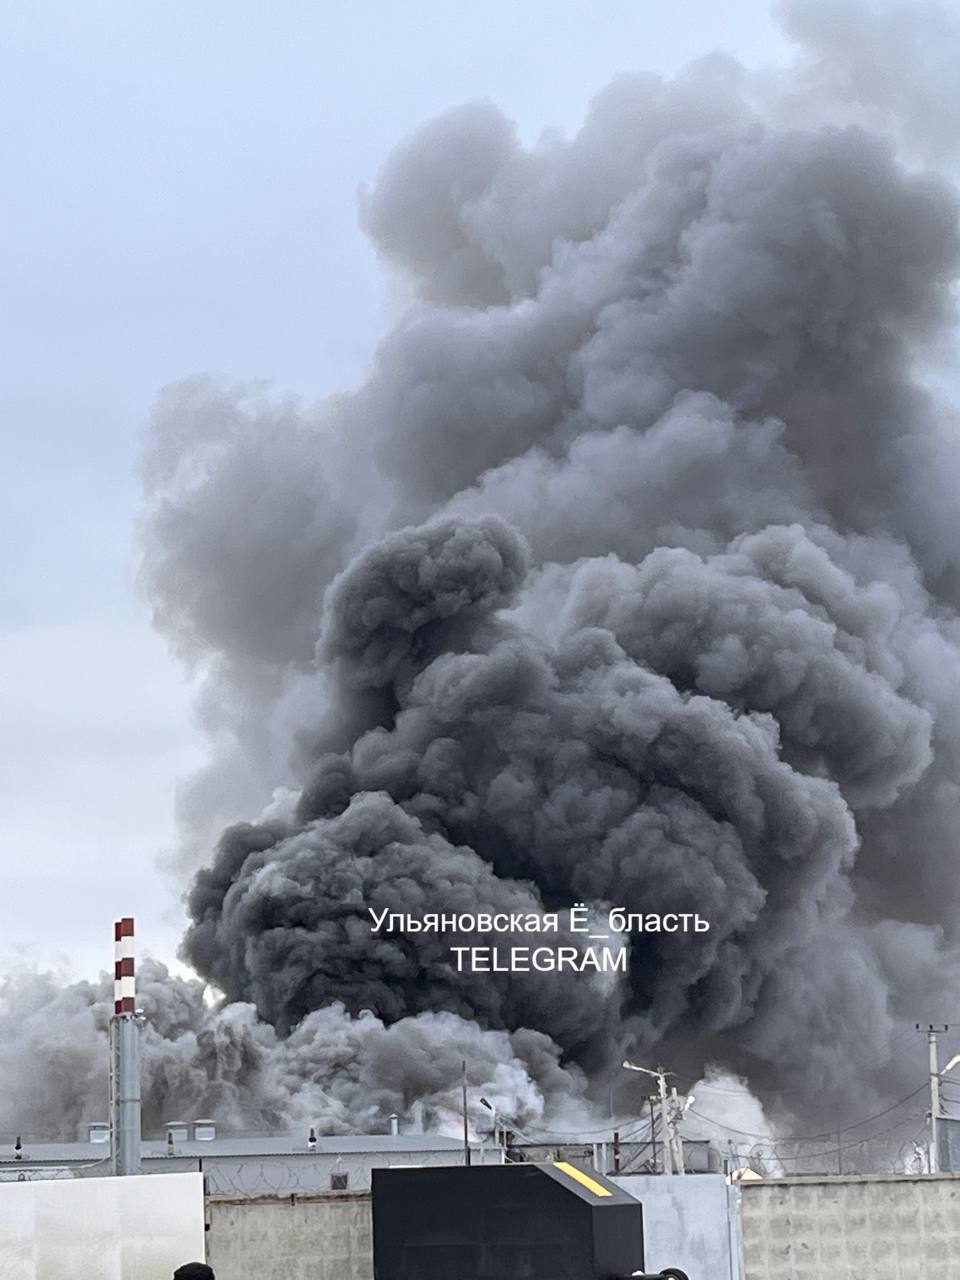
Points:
(629, 577)
(499, 760)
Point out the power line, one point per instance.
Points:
(846, 1146)
(900, 1040)
(886, 1111)
(601, 1133)
(763, 1137)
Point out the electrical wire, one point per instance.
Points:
(886, 1111)
(773, 1153)
(847, 1146)
(600, 1135)
(601, 1131)
(743, 1133)
(853, 1069)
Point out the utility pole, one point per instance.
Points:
(665, 1122)
(676, 1141)
(466, 1125)
(661, 1078)
(932, 1032)
(653, 1137)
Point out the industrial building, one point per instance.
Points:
(306, 1163)
(237, 1166)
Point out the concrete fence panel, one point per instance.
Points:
(858, 1228)
(297, 1237)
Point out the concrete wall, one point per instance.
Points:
(857, 1228)
(691, 1222)
(100, 1228)
(294, 1237)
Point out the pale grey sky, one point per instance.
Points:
(180, 191)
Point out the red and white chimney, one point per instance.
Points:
(124, 980)
(124, 1055)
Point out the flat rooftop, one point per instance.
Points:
(291, 1144)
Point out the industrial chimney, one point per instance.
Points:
(124, 1056)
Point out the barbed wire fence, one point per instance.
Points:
(278, 1175)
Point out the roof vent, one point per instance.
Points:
(204, 1130)
(98, 1132)
(177, 1131)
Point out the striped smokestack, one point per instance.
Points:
(124, 1055)
(124, 980)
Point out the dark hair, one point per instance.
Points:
(194, 1271)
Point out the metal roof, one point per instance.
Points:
(292, 1144)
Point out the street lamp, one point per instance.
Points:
(661, 1078)
(493, 1110)
(632, 1066)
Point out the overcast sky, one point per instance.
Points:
(180, 192)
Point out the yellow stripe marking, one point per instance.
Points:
(579, 1176)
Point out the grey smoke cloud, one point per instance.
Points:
(774, 625)
(336, 1072)
(886, 64)
(409, 591)
(628, 576)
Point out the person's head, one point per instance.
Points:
(194, 1271)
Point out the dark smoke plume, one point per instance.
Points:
(630, 576)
